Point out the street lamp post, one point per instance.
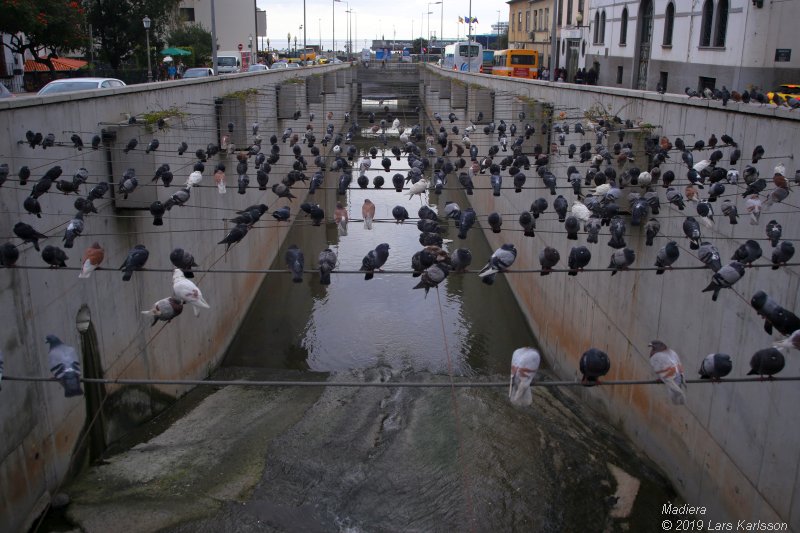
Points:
(497, 39)
(146, 22)
(334, 22)
(349, 33)
(428, 54)
(250, 42)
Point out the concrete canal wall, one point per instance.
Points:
(733, 447)
(41, 429)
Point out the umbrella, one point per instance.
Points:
(175, 52)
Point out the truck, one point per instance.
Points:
(366, 55)
(229, 62)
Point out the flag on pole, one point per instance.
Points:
(460, 20)
(468, 20)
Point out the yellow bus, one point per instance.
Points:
(516, 63)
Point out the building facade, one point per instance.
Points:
(235, 22)
(675, 44)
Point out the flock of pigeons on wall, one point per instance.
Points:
(435, 152)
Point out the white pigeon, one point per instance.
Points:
(580, 211)
(601, 190)
(396, 123)
(524, 364)
(418, 188)
(404, 137)
(780, 169)
(194, 178)
(187, 292)
(753, 206)
(792, 341)
(645, 179)
(701, 165)
(669, 369)
(732, 176)
(337, 149)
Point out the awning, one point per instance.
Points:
(60, 63)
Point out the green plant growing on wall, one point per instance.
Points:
(152, 118)
(242, 95)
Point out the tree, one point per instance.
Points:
(502, 41)
(418, 45)
(42, 26)
(195, 37)
(118, 26)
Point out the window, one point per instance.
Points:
(560, 11)
(705, 25)
(519, 21)
(527, 21)
(596, 27)
(535, 20)
(580, 7)
(662, 81)
(704, 83)
(569, 12)
(722, 23)
(603, 26)
(669, 24)
(544, 20)
(186, 14)
(619, 74)
(623, 27)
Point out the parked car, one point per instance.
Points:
(4, 92)
(279, 65)
(258, 67)
(201, 72)
(79, 84)
(293, 65)
(786, 91)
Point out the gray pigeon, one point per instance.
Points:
(295, 263)
(182, 259)
(236, 234)
(617, 229)
(725, 278)
(782, 254)
(500, 261)
(65, 366)
(74, 229)
(282, 214)
(766, 362)
(692, 231)
(592, 227)
(748, 252)
(573, 226)
(621, 259)
(528, 223)
(594, 364)
(128, 183)
(466, 221)
(54, 256)
(651, 229)
(8, 254)
(709, 256)
(716, 366)
(579, 257)
(774, 232)
(666, 256)
(374, 260)
(548, 258)
(775, 316)
(165, 309)
(137, 257)
(461, 259)
(730, 211)
(495, 222)
(432, 276)
(327, 262)
(28, 234)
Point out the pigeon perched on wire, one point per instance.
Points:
(432, 277)
(186, 292)
(716, 366)
(621, 259)
(466, 221)
(524, 365)
(782, 254)
(774, 232)
(374, 260)
(8, 255)
(65, 364)
(295, 262)
(766, 362)
(548, 258)
(27, 233)
(54, 256)
(236, 234)
(135, 260)
(775, 316)
(184, 260)
(74, 229)
(327, 262)
(725, 278)
(500, 261)
(165, 310)
(667, 365)
(593, 365)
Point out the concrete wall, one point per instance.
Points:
(41, 429)
(733, 447)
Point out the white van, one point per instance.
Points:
(229, 62)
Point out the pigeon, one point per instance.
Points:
(692, 231)
(730, 211)
(341, 218)
(495, 222)
(327, 262)
(758, 153)
(194, 178)
(368, 212)
(651, 229)
(182, 147)
(165, 309)
(524, 364)
(137, 257)
(792, 341)
(282, 214)
(182, 259)
(460, 259)
(236, 234)
(617, 229)
(74, 229)
(28, 234)
(400, 214)
(709, 256)
(724, 278)
(705, 211)
(24, 175)
(667, 365)
(774, 315)
(151, 146)
(54, 256)
(716, 366)
(621, 260)
(766, 362)
(528, 223)
(675, 198)
(418, 188)
(98, 191)
(295, 263)
(579, 257)
(128, 183)
(283, 191)
(32, 206)
(593, 364)
(782, 254)
(432, 276)
(748, 252)
(466, 221)
(77, 142)
(500, 261)
(548, 258)
(48, 141)
(91, 259)
(666, 256)
(374, 260)
(8, 255)
(753, 207)
(157, 209)
(131, 145)
(65, 364)
(186, 292)
(774, 232)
